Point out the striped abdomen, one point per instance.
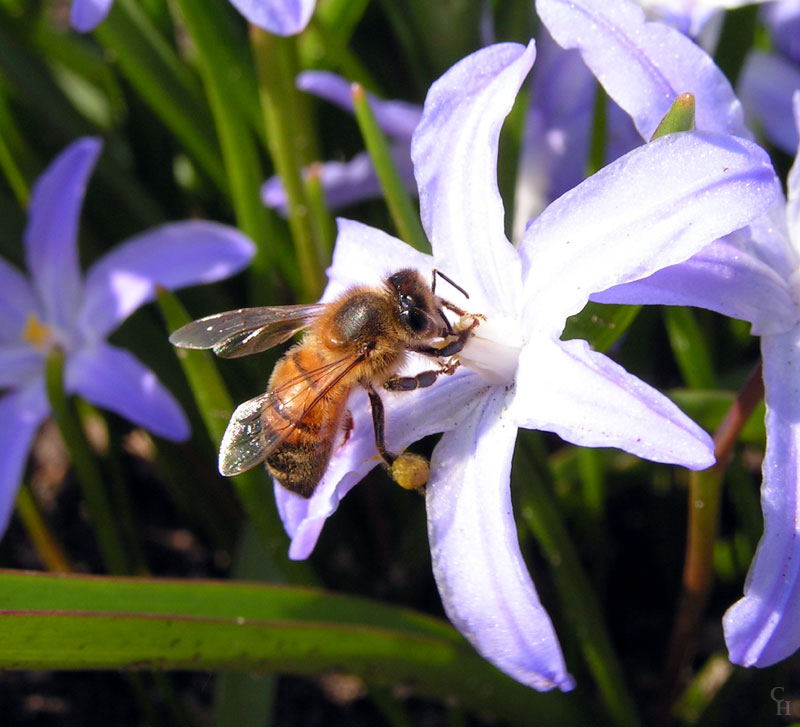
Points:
(306, 406)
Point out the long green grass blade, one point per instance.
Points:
(62, 622)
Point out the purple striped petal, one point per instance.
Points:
(765, 87)
(783, 20)
(21, 414)
(51, 237)
(114, 379)
(455, 161)
(396, 118)
(485, 587)
(644, 66)
(762, 628)
(587, 399)
(344, 183)
(86, 15)
(654, 207)
(280, 17)
(17, 301)
(723, 278)
(793, 186)
(19, 364)
(173, 256)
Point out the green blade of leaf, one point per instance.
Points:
(82, 622)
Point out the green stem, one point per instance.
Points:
(705, 491)
(275, 68)
(402, 209)
(86, 467)
(597, 143)
(218, 64)
(44, 541)
(14, 177)
(164, 82)
(541, 515)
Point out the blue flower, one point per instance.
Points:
(751, 274)
(281, 17)
(654, 207)
(59, 306)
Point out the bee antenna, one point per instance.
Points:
(449, 280)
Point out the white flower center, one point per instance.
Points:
(493, 349)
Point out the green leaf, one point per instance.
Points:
(601, 325)
(58, 622)
(166, 84)
(680, 117)
(690, 347)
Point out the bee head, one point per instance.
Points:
(416, 304)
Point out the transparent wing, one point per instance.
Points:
(247, 442)
(246, 330)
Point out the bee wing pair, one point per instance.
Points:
(247, 442)
(244, 331)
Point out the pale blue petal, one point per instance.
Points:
(365, 255)
(19, 364)
(344, 183)
(86, 15)
(723, 278)
(280, 17)
(485, 587)
(21, 413)
(114, 379)
(654, 207)
(51, 237)
(783, 20)
(173, 256)
(409, 416)
(793, 185)
(17, 301)
(765, 86)
(587, 399)
(455, 161)
(644, 66)
(762, 628)
(396, 118)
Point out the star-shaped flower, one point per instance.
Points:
(281, 17)
(60, 306)
(655, 206)
(751, 275)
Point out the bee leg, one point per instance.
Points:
(377, 423)
(452, 348)
(422, 380)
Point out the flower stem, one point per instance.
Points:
(86, 467)
(282, 115)
(705, 490)
(540, 513)
(44, 541)
(405, 216)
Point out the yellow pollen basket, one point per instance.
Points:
(36, 333)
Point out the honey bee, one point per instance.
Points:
(359, 339)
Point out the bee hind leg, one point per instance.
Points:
(378, 423)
